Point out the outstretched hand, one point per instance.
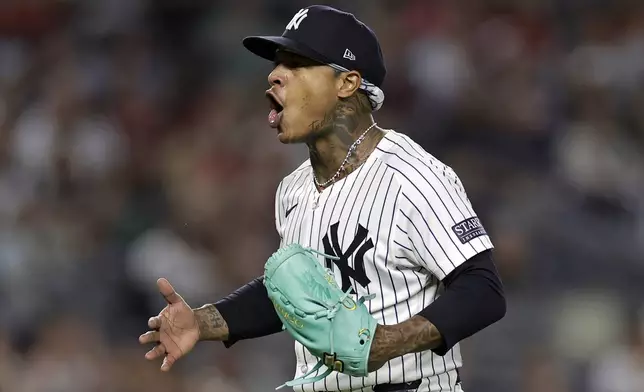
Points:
(175, 330)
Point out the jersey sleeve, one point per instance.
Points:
(441, 228)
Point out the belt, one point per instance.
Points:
(407, 386)
(402, 387)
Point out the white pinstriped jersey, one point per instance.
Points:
(400, 223)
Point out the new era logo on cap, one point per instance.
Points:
(349, 55)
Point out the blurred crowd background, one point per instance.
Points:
(134, 145)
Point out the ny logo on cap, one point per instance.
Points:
(297, 19)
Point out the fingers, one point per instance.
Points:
(154, 322)
(166, 289)
(159, 351)
(156, 352)
(168, 361)
(150, 337)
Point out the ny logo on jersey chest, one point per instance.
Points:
(357, 249)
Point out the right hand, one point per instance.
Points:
(175, 330)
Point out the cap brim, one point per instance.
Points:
(266, 47)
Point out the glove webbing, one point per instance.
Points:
(330, 314)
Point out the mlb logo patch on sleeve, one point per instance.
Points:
(469, 229)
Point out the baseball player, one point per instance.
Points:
(385, 218)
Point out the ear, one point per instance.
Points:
(349, 83)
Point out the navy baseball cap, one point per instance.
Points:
(333, 37)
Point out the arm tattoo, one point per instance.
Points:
(414, 335)
(212, 325)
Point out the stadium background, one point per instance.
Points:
(134, 144)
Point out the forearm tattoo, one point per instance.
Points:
(212, 325)
(414, 335)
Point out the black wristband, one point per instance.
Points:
(249, 313)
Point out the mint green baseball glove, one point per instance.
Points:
(315, 311)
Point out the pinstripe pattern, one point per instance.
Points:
(408, 201)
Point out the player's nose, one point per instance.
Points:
(276, 77)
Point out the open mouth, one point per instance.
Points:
(275, 115)
(275, 104)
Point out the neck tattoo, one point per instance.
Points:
(352, 149)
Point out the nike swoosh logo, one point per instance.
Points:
(288, 212)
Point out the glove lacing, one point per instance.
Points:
(329, 314)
